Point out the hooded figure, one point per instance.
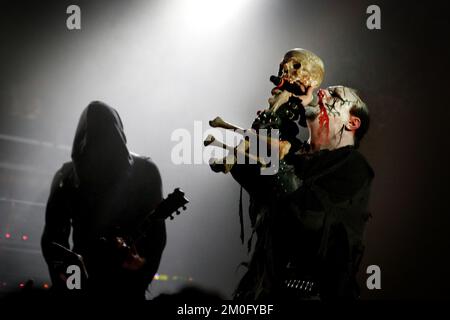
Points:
(103, 189)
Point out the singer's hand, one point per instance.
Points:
(308, 97)
(284, 147)
(278, 98)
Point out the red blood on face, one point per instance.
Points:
(324, 120)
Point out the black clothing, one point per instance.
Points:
(314, 233)
(103, 188)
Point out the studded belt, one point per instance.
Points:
(301, 287)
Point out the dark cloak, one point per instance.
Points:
(313, 233)
(103, 189)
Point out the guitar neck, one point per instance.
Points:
(165, 209)
(143, 227)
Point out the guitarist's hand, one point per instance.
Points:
(133, 260)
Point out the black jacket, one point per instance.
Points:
(313, 233)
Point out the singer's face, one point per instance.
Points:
(326, 123)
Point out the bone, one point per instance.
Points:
(213, 142)
(223, 165)
(218, 122)
(241, 148)
(209, 139)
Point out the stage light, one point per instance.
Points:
(206, 16)
(24, 237)
(7, 235)
(163, 277)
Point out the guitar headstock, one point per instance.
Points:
(172, 204)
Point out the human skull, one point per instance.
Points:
(302, 67)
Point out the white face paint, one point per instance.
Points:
(328, 119)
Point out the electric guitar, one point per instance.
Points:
(119, 251)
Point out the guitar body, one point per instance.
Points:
(115, 256)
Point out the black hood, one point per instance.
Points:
(99, 152)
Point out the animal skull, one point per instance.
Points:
(302, 67)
